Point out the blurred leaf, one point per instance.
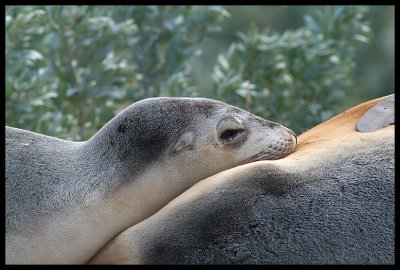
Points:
(300, 68)
(69, 69)
(72, 67)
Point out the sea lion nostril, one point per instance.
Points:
(291, 133)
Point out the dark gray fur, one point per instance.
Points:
(342, 214)
(379, 116)
(48, 175)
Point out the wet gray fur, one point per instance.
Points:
(378, 116)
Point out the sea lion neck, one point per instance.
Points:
(128, 143)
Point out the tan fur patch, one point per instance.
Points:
(333, 129)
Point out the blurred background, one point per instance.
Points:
(70, 69)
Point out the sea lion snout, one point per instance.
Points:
(292, 135)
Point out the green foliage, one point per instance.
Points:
(69, 69)
(295, 78)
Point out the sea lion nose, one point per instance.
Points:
(291, 133)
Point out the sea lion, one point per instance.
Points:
(65, 200)
(331, 201)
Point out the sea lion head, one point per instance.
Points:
(193, 138)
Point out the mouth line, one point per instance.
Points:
(264, 155)
(257, 157)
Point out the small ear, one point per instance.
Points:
(185, 141)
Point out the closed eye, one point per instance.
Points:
(230, 134)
